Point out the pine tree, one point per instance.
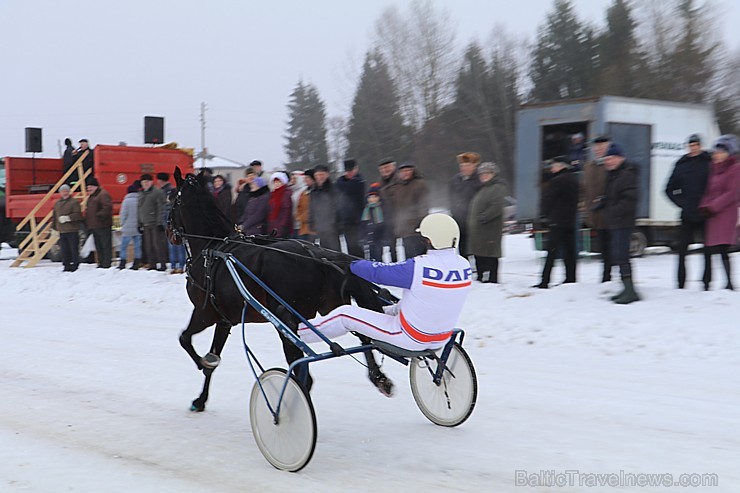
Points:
(469, 119)
(563, 59)
(619, 59)
(376, 128)
(306, 135)
(692, 62)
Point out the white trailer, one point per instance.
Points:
(653, 134)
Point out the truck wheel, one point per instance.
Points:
(638, 243)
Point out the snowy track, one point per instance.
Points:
(95, 390)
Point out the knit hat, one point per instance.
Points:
(374, 189)
(488, 168)
(163, 176)
(350, 164)
(614, 150)
(133, 188)
(146, 176)
(279, 175)
(92, 182)
(64, 187)
(468, 157)
(256, 162)
(309, 173)
(694, 138)
(727, 142)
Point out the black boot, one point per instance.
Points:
(726, 264)
(628, 295)
(122, 265)
(137, 264)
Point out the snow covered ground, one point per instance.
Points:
(95, 391)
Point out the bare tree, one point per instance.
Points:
(419, 47)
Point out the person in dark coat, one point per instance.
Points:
(594, 183)
(560, 205)
(485, 223)
(462, 188)
(150, 213)
(373, 224)
(720, 205)
(99, 216)
(68, 160)
(88, 162)
(410, 207)
(685, 188)
(388, 188)
(322, 213)
(350, 188)
(280, 216)
(242, 193)
(67, 218)
(254, 219)
(620, 212)
(222, 195)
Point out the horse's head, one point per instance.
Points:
(194, 210)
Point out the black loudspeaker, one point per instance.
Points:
(33, 139)
(153, 129)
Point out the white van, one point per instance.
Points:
(652, 133)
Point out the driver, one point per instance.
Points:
(435, 286)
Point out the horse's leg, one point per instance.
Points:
(221, 334)
(374, 373)
(197, 324)
(293, 352)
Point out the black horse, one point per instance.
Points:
(311, 279)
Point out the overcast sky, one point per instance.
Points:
(95, 68)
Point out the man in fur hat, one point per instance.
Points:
(462, 188)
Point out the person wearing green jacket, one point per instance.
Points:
(486, 223)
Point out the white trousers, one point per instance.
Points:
(383, 327)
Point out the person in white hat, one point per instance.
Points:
(435, 286)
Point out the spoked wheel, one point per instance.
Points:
(287, 444)
(452, 401)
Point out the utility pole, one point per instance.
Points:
(204, 151)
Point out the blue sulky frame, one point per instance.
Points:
(401, 355)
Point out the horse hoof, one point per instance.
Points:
(210, 361)
(384, 385)
(197, 408)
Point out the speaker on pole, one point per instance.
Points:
(153, 129)
(33, 139)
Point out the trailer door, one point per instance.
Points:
(635, 139)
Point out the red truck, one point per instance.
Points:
(116, 167)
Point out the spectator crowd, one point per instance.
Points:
(592, 185)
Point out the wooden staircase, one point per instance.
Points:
(41, 239)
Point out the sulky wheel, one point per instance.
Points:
(452, 401)
(288, 444)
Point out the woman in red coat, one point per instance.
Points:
(280, 218)
(720, 203)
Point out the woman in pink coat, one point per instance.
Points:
(720, 203)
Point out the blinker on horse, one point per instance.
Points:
(318, 281)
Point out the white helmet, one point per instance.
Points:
(441, 230)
